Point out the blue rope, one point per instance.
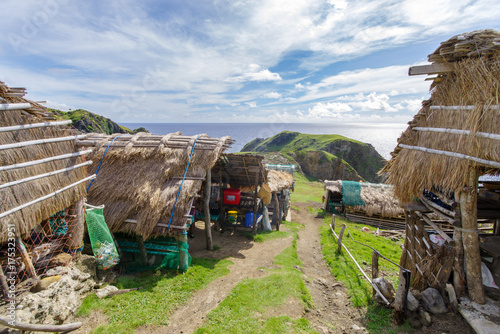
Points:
(102, 160)
(180, 188)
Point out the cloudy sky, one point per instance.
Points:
(231, 60)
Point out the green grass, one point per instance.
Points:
(249, 306)
(343, 268)
(378, 320)
(307, 189)
(162, 292)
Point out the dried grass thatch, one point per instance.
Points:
(278, 181)
(13, 196)
(141, 183)
(474, 82)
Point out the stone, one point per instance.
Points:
(424, 317)
(45, 283)
(86, 264)
(414, 321)
(62, 259)
(433, 302)
(57, 271)
(385, 288)
(104, 292)
(412, 302)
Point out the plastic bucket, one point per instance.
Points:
(232, 216)
(249, 218)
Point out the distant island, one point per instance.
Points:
(321, 156)
(86, 121)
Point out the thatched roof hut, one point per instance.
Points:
(378, 199)
(140, 176)
(451, 141)
(41, 170)
(240, 170)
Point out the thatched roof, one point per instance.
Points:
(140, 177)
(465, 99)
(15, 110)
(241, 170)
(378, 198)
(278, 181)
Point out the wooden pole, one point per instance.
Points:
(458, 260)
(333, 221)
(206, 209)
(255, 205)
(401, 296)
(374, 267)
(76, 229)
(341, 235)
(275, 210)
(26, 257)
(183, 257)
(142, 249)
(468, 207)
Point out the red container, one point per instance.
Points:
(232, 196)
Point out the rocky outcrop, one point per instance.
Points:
(319, 165)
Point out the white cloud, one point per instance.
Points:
(328, 110)
(374, 101)
(251, 104)
(272, 95)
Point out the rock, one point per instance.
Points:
(62, 259)
(86, 264)
(357, 328)
(417, 294)
(385, 288)
(433, 302)
(412, 302)
(104, 292)
(425, 318)
(57, 271)
(414, 321)
(45, 283)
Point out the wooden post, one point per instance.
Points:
(26, 257)
(341, 235)
(254, 224)
(458, 264)
(206, 210)
(275, 209)
(468, 207)
(496, 230)
(222, 214)
(374, 267)
(401, 296)
(183, 257)
(142, 249)
(333, 221)
(76, 229)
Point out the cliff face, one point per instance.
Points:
(324, 156)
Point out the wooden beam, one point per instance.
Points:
(41, 161)
(14, 106)
(458, 132)
(40, 141)
(431, 69)
(435, 227)
(33, 125)
(76, 230)
(206, 210)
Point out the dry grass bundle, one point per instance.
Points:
(474, 82)
(14, 196)
(278, 180)
(334, 186)
(142, 184)
(379, 200)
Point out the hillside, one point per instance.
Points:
(86, 121)
(324, 156)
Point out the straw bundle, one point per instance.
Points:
(379, 200)
(334, 186)
(142, 184)
(13, 196)
(474, 82)
(278, 180)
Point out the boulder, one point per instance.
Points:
(412, 302)
(433, 302)
(385, 288)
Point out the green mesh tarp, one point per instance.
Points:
(351, 193)
(102, 242)
(171, 260)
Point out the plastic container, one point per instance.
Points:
(249, 218)
(232, 216)
(232, 196)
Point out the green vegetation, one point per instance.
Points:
(249, 307)
(307, 189)
(162, 292)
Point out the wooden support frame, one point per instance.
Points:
(435, 68)
(206, 210)
(435, 227)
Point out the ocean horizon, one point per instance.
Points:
(383, 137)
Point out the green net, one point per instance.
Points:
(171, 260)
(102, 242)
(351, 193)
(58, 224)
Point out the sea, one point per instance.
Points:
(383, 137)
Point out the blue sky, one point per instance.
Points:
(328, 61)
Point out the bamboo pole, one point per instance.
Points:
(14, 106)
(77, 229)
(41, 161)
(6, 213)
(452, 154)
(468, 206)
(26, 257)
(206, 210)
(33, 125)
(36, 177)
(40, 141)
(493, 136)
(460, 107)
